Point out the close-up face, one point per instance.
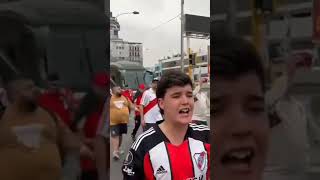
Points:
(240, 128)
(27, 90)
(116, 90)
(177, 104)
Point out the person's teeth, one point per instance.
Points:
(185, 110)
(240, 154)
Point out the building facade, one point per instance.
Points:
(287, 28)
(121, 50)
(199, 70)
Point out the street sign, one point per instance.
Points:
(199, 25)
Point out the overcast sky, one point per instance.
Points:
(165, 40)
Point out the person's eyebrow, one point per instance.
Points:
(256, 98)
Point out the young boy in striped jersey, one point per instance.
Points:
(174, 149)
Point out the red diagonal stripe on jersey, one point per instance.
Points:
(153, 103)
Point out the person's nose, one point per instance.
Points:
(240, 126)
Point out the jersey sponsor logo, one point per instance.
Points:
(161, 170)
(29, 135)
(128, 170)
(196, 178)
(128, 159)
(119, 104)
(201, 160)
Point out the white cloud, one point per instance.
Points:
(164, 40)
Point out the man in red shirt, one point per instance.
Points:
(86, 122)
(54, 100)
(128, 94)
(137, 118)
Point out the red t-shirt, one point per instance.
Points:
(128, 94)
(138, 102)
(54, 102)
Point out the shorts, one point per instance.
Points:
(119, 129)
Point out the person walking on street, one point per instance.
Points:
(150, 112)
(289, 117)
(201, 112)
(138, 108)
(102, 143)
(175, 149)
(120, 108)
(54, 101)
(34, 143)
(86, 123)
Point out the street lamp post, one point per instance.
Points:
(134, 12)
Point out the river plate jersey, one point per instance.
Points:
(153, 157)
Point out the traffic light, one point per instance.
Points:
(192, 59)
(263, 6)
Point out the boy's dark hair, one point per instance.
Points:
(89, 103)
(233, 57)
(170, 79)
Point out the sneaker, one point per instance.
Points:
(116, 155)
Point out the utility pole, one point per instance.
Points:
(287, 40)
(190, 64)
(208, 61)
(256, 25)
(182, 32)
(232, 11)
(261, 9)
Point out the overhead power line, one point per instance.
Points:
(165, 22)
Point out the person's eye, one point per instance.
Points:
(257, 108)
